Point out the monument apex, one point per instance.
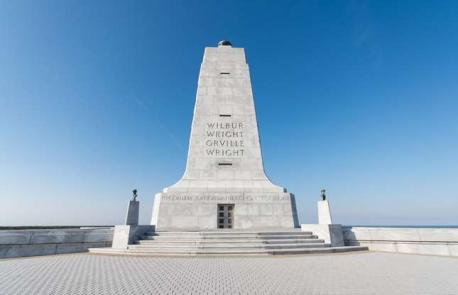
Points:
(224, 184)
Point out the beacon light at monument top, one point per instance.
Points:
(224, 204)
(224, 185)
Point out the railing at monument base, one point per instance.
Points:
(25, 241)
(433, 240)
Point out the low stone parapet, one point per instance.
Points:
(414, 240)
(36, 242)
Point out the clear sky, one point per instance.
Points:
(358, 97)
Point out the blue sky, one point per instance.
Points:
(358, 97)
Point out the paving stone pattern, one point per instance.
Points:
(356, 273)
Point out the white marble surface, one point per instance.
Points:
(331, 233)
(20, 243)
(132, 213)
(125, 235)
(324, 212)
(431, 241)
(224, 164)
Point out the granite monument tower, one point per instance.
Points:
(224, 185)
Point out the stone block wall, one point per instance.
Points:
(35, 242)
(413, 240)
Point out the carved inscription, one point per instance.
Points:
(225, 198)
(224, 139)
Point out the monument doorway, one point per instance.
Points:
(225, 215)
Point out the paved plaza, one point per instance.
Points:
(355, 273)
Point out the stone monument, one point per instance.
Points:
(224, 185)
(224, 204)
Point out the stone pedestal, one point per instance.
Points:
(132, 213)
(324, 212)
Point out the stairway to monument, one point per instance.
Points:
(227, 242)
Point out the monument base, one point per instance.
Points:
(211, 211)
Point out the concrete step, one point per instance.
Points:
(229, 232)
(219, 252)
(225, 233)
(295, 240)
(229, 241)
(225, 246)
(227, 236)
